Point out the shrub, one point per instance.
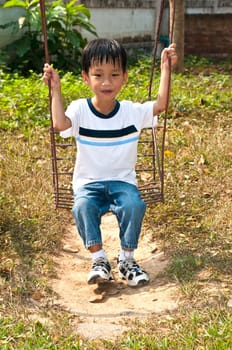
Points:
(65, 20)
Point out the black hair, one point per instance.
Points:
(99, 50)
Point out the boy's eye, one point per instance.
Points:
(99, 75)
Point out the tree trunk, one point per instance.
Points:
(178, 7)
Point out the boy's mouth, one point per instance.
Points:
(107, 91)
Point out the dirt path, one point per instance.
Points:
(103, 309)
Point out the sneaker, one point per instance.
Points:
(100, 272)
(129, 270)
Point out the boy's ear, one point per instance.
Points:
(125, 76)
(85, 76)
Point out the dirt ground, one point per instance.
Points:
(104, 309)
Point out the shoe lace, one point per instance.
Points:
(132, 265)
(100, 262)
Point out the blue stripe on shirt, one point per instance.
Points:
(107, 143)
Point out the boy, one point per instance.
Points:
(107, 133)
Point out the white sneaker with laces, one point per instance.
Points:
(129, 270)
(100, 272)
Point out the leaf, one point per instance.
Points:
(24, 46)
(169, 153)
(37, 295)
(74, 38)
(15, 3)
(81, 8)
(32, 4)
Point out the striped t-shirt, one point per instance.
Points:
(107, 144)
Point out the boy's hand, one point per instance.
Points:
(50, 74)
(169, 53)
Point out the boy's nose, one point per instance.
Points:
(106, 81)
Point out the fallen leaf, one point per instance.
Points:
(168, 153)
(37, 296)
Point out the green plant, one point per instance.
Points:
(65, 40)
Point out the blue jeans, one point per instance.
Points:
(95, 199)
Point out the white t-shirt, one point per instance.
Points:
(107, 144)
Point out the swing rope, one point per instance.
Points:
(150, 193)
(160, 163)
(52, 131)
(171, 33)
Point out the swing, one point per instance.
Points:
(150, 176)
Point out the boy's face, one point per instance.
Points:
(105, 79)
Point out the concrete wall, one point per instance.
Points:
(124, 24)
(208, 6)
(131, 22)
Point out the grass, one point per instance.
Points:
(193, 226)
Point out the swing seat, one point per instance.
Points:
(148, 169)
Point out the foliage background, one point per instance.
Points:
(66, 23)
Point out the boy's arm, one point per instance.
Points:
(168, 53)
(60, 121)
